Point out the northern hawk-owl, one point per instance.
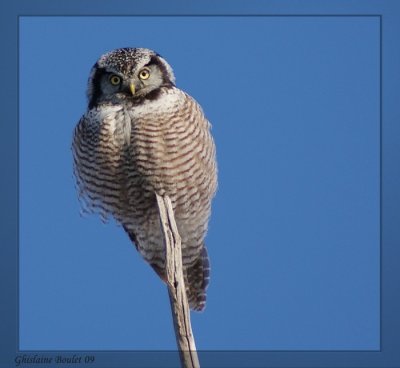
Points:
(142, 135)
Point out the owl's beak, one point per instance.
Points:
(132, 88)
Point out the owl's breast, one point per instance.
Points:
(171, 147)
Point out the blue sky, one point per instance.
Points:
(294, 234)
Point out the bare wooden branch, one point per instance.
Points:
(176, 285)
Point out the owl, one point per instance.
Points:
(141, 135)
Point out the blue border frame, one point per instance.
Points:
(389, 13)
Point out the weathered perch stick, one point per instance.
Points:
(176, 285)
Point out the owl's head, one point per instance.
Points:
(128, 74)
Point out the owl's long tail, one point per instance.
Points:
(197, 277)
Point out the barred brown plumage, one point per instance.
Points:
(127, 147)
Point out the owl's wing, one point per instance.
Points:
(81, 151)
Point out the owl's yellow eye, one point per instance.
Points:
(115, 80)
(144, 74)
